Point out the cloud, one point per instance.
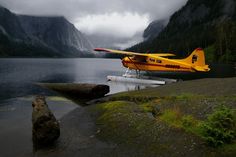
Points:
(121, 25)
(72, 9)
(106, 18)
(127, 43)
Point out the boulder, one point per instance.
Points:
(45, 128)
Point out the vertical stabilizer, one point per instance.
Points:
(197, 59)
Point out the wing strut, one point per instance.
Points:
(137, 71)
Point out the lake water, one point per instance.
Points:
(17, 76)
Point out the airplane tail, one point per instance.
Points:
(197, 60)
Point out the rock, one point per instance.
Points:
(156, 111)
(46, 128)
(80, 91)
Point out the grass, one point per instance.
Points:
(171, 117)
(176, 119)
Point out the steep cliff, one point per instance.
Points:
(32, 36)
(154, 29)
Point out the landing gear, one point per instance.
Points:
(128, 73)
(138, 73)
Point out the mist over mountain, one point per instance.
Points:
(208, 24)
(154, 29)
(33, 36)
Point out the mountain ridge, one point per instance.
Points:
(207, 24)
(154, 29)
(40, 36)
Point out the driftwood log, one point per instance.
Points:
(46, 128)
(83, 91)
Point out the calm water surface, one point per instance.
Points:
(17, 88)
(17, 76)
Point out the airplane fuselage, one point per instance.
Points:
(152, 64)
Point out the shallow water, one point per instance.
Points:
(16, 126)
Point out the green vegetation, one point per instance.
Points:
(156, 125)
(175, 118)
(220, 127)
(217, 130)
(210, 54)
(189, 123)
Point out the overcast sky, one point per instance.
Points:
(121, 19)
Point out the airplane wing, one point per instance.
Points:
(134, 53)
(121, 52)
(163, 54)
(156, 56)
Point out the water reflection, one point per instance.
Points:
(119, 86)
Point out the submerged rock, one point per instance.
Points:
(46, 128)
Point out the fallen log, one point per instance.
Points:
(83, 91)
(45, 127)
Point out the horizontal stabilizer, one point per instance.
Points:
(202, 68)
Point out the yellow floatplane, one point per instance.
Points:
(195, 62)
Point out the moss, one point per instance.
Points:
(186, 122)
(132, 98)
(126, 124)
(171, 117)
(184, 96)
(113, 105)
(119, 114)
(190, 124)
(57, 98)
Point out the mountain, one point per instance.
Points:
(32, 36)
(208, 24)
(154, 29)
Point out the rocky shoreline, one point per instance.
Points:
(125, 124)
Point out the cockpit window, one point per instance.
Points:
(152, 59)
(140, 59)
(159, 61)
